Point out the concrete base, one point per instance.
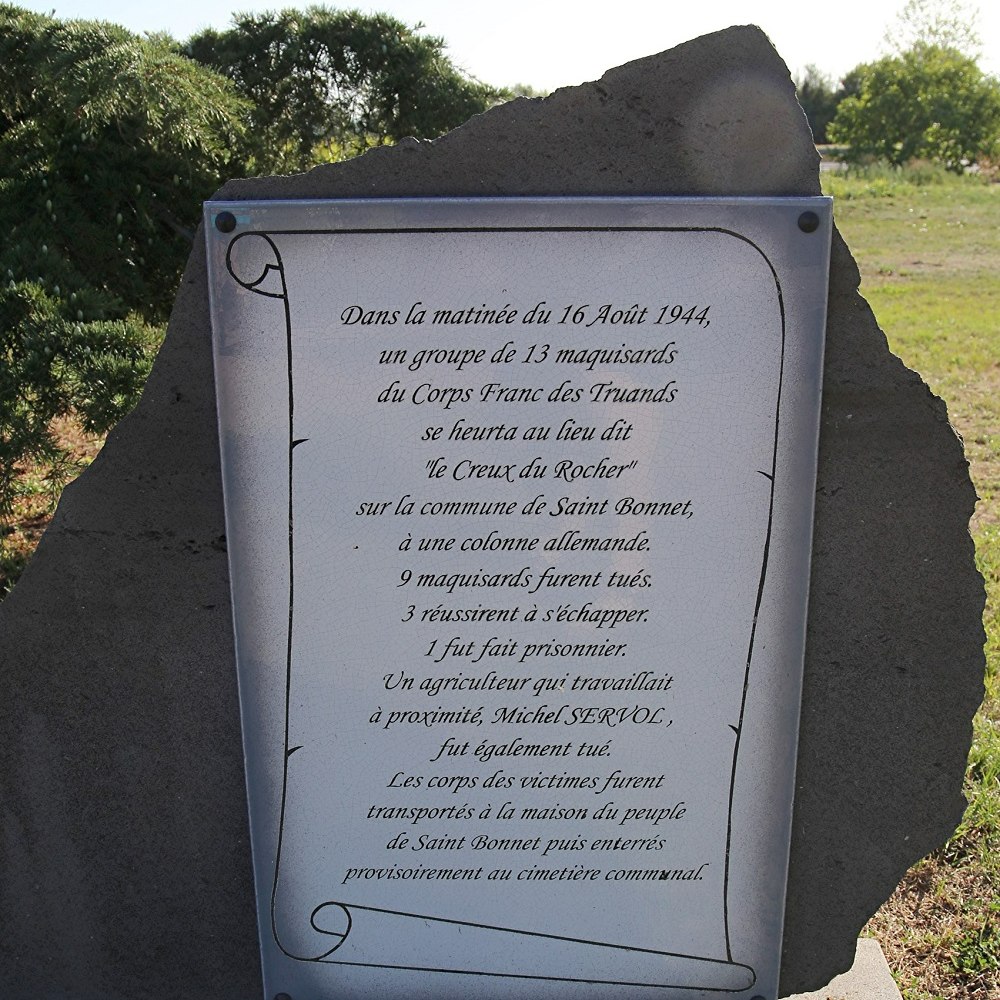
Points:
(868, 979)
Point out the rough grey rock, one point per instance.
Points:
(126, 869)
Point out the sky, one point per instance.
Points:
(554, 43)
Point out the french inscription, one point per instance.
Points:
(529, 513)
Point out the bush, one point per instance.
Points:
(108, 144)
(51, 366)
(930, 102)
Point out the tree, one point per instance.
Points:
(949, 24)
(930, 102)
(524, 90)
(928, 98)
(108, 144)
(327, 84)
(819, 99)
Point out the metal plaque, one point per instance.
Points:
(519, 505)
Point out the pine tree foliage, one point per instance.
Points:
(108, 144)
(326, 84)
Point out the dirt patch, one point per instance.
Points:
(39, 488)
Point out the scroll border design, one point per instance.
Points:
(256, 288)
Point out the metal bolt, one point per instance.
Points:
(808, 223)
(225, 222)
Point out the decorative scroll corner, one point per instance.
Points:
(333, 920)
(328, 927)
(254, 262)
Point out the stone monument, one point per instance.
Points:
(126, 861)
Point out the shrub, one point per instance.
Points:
(930, 102)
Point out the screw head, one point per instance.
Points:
(225, 222)
(808, 223)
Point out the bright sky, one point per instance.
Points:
(550, 44)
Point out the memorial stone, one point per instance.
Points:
(126, 860)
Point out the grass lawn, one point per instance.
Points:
(929, 250)
(928, 246)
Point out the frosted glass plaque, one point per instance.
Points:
(519, 503)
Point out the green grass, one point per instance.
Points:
(983, 784)
(928, 246)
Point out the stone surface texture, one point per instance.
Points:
(124, 845)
